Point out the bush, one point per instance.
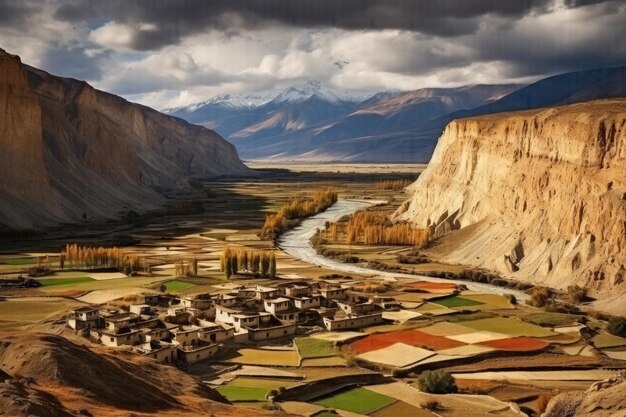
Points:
(512, 299)
(437, 382)
(540, 297)
(576, 294)
(617, 326)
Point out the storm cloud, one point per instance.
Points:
(175, 52)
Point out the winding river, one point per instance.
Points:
(296, 242)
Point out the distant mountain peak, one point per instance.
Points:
(314, 88)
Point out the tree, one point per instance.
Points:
(62, 261)
(162, 288)
(194, 266)
(437, 382)
(272, 271)
(227, 267)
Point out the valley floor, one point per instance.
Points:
(498, 351)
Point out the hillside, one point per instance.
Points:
(537, 195)
(47, 375)
(86, 154)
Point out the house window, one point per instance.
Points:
(111, 339)
(267, 334)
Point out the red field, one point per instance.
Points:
(409, 337)
(433, 287)
(517, 344)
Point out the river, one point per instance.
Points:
(296, 242)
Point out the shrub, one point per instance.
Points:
(512, 299)
(162, 288)
(617, 326)
(392, 184)
(576, 294)
(540, 297)
(437, 382)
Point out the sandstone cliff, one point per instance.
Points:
(69, 151)
(537, 195)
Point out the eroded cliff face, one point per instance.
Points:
(537, 195)
(69, 151)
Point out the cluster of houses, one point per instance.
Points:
(194, 328)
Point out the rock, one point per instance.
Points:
(71, 153)
(530, 194)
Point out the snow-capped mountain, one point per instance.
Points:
(314, 88)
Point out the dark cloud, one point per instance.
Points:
(175, 18)
(73, 61)
(14, 11)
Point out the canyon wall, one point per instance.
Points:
(537, 195)
(69, 152)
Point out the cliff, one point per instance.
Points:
(537, 195)
(71, 152)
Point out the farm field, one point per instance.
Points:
(177, 285)
(264, 357)
(512, 327)
(309, 347)
(409, 337)
(357, 400)
(64, 281)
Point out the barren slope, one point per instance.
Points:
(538, 195)
(70, 152)
(51, 375)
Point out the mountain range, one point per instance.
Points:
(315, 123)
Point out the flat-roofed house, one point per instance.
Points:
(85, 318)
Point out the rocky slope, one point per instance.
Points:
(602, 399)
(537, 195)
(70, 152)
(48, 375)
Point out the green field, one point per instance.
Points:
(551, 319)
(455, 301)
(310, 347)
(235, 394)
(251, 389)
(176, 285)
(509, 326)
(64, 281)
(18, 261)
(358, 400)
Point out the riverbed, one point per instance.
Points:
(296, 242)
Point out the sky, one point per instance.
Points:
(169, 53)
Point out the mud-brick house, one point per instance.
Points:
(186, 335)
(215, 333)
(115, 322)
(197, 352)
(387, 303)
(344, 322)
(333, 292)
(161, 351)
(306, 302)
(85, 318)
(358, 309)
(273, 331)
(198, 301)
(140, 309)
(122, 337)
(266, 293)
(295, 289)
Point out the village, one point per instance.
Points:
(191, 329)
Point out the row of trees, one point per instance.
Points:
(186, 267)
(96, 257)
(246, 261)
(297, 208)
(372, 227)
(392, 184)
